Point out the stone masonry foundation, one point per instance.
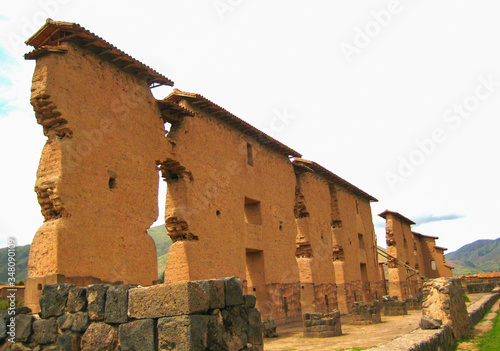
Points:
(190, 315)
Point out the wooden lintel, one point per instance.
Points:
(106, 51)
(49, 38)
(93, 42)
(129, 65)
(66, 37)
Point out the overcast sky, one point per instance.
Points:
(400, 98)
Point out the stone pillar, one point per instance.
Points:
(443, 299)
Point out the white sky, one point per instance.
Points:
(360, 112)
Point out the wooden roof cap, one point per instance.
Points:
(425, 236)
(52, 33)
(332, 177)
(396, 214)
(227, 117)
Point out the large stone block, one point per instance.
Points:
(233, 289)
(255, 327)
(77, 299)
(3, 325)
(215, 291)
(100, 337)
(24, 324)
(53, 300)
(138, 335)
(250, 301)
(96, 299)
(183, 332)
(20, 347)
(270, 328)
(164, 300)
(45, 331)
(69, 342)
(76, 322)
(116, 304)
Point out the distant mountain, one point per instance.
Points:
(159, 235)
(478, 257)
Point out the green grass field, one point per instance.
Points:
(490, 341)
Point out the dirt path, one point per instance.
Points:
(290, 337)
(482, 327)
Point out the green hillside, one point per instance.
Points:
(22, 253)
(163, 242)
(478, 257)
(159, 235)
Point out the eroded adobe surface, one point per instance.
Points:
(97, 181)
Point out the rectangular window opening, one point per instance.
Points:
(361, 241)
(252, 211)
(433, 265)
(249, 154)
(364, 272)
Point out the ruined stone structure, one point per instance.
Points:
(366, 313)
(444, 301)
(481, 282)
(319, 325)
(412, 257)
(239, 203)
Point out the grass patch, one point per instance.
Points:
(466, 298)
(5, 303)
(465, 338)
(490, 341)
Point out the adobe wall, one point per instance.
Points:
(442, 269)
(96, 182)
(356, 221)
(400, 244)
(423, 246)
(313, 216)
(237, 218)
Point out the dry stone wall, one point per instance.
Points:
(443, 299)
(197, 315)
(480, 283)
(366, 313)
(393, 307)
(322, 325)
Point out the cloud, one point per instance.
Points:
(424, 219)
(429, 218)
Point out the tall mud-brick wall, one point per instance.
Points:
(314, 243)
(403, 249)
(97, 182)
(231, 210)
(343, 214)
